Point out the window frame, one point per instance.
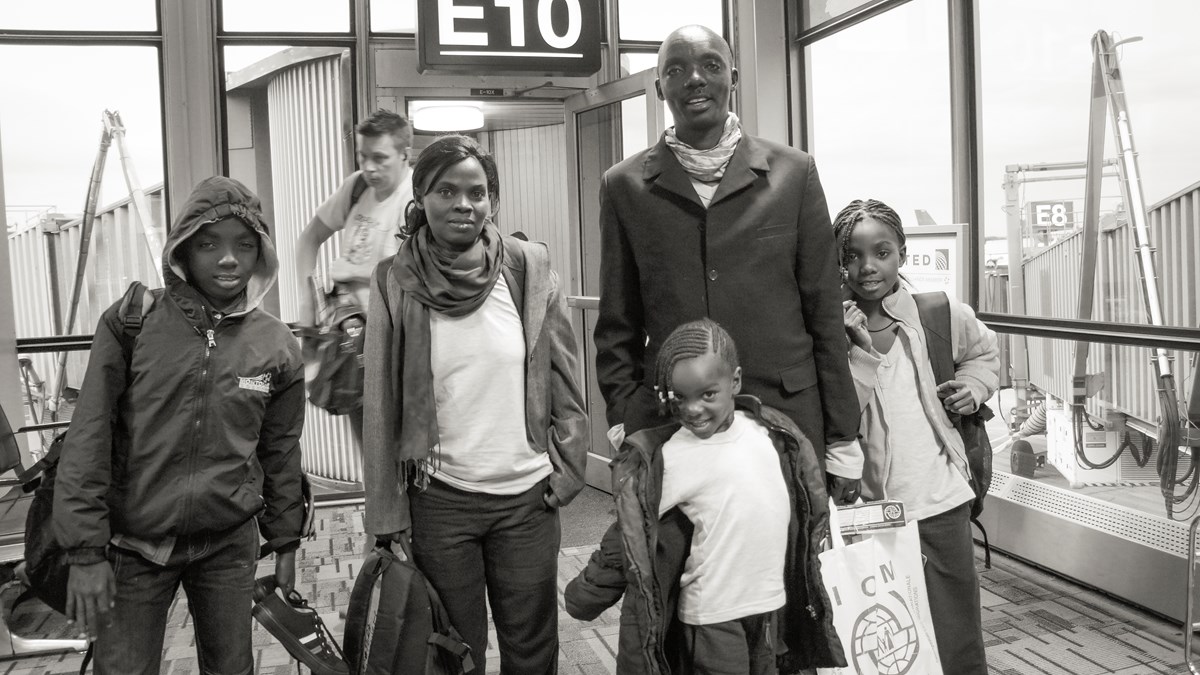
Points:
(966, 169)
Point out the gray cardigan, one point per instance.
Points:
(555, 421)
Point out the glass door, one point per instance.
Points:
(604, 126)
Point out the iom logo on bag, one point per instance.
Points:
(886, 639)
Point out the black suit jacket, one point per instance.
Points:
(761, 261)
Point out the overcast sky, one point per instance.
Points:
(880, 91)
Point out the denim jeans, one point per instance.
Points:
(470, 544)
(217, 573)
(953, 588)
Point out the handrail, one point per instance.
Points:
(1189, 624)
(583, 301)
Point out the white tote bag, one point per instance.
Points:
(880, 607)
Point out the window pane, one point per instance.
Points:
(110, 15)
(289, 136)
(289, 16)
(1036, 71)
(881, 112)
(394, 16)
(817, 12)
(1121, 414)
(653, 21)
(48, 153)
(636, 62)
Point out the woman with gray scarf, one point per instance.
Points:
(474, 429)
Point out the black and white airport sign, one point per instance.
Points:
(490, 37)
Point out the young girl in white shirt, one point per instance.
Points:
(719, 519)
(923, 463)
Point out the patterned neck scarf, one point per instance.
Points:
(707, 165)
(455, 284)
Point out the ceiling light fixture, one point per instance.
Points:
(449, 116)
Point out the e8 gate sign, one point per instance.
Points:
(509, 37)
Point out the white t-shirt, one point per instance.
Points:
(479, 387)
(369, 228)
(704, 191)
(731, 487)
(920, 473)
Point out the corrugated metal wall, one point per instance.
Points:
(117, 257)
(307, 157)
(305, 104)
(533, 188)
(1052, 280)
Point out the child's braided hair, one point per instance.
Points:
(688, 341)
(854, 213)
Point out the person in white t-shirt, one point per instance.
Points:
(368, 208)
(925, 464)
(742, 483)
(475, 429)
(369, 218)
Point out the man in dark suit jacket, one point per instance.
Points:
(710, 222)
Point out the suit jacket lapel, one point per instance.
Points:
(661, 167)
(748, 160)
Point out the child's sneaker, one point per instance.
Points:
(298, 628)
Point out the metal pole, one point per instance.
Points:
(85, 240)
(1018, 344)
(1189, 624)
(1131, 189)
(1093, 177)
(115, 129)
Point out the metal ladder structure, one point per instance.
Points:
(114, 129)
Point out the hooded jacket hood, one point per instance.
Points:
(212, 200)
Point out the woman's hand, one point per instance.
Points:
(856, 325)
(957, 397)
(404, 538)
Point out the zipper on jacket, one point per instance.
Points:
(201, 406)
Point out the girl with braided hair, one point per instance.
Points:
(925, 465)
(719, 519)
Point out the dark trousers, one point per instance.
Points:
(744, 646)
(472, 544)
(217, 573)
(953, 587)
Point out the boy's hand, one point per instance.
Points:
(856, 325)
(957, 397)
(285, 571)
(843, 490)
(91, 593)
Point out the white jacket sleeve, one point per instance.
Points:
(976, 352)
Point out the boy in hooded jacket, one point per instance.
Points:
(720, 518)
(176, 461)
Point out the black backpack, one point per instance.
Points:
(934, 310)
(395, 622)
(46, 570)
(335, 344)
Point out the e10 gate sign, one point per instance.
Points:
(510, 37)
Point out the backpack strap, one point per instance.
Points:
(360, 186)
(444, 635)
(934, 312)
(381, 278)
(137, 295)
